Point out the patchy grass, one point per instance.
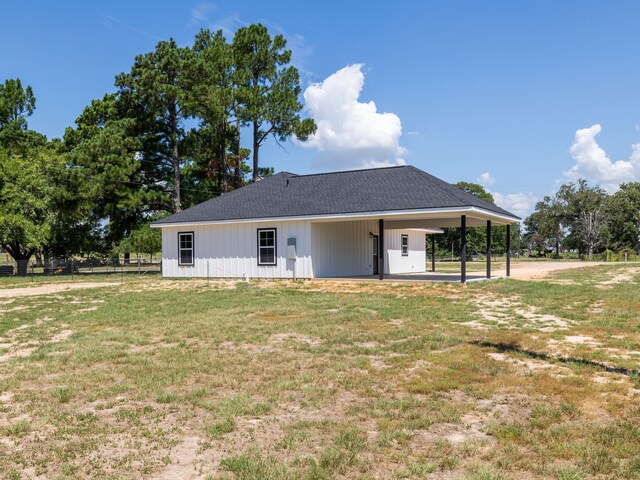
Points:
(288, 380)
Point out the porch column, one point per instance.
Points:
(381, 249)
(508, 250)
(433, 253)
(488, 248)
(463, 249)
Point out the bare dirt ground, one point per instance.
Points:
(50, 288)
(540, 270)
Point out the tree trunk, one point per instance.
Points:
(127, 259)
(39, 259)
(224, 178)
(638, 234)
(557, 248)
(590, 253)
(237, 172)
(175, 162)
(256, 133)
(21, 256)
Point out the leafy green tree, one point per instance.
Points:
(154, 96)
(142, 240)
(544, 225)
(624, 215)
(25, 204)
(17, 103)
(268, 89)
(584, 216)
(211, 96)
(106, 174)
(477, 236)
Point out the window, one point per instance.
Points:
(404, 241)
(185, 248)
(266, 246)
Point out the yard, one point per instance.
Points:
(170, 379)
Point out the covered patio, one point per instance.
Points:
(453, 218)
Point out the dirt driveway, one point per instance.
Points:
(539, 270)
(50, 288)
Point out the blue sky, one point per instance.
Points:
(518, 90)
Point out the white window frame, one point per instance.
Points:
(181, 249)
(404, 248)
(264, 247)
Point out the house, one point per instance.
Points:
(337, 224)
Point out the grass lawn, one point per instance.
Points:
(167, 379)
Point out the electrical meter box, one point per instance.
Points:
(291, 249)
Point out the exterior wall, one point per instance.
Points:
(341, 249)
(323, 249)
(231, 250)
(415, 261)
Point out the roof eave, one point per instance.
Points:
(494, 216)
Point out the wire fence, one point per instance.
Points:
(77, 267)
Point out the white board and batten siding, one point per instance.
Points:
(341, 249)
(416, 258)
(231, 251)
(323, 249)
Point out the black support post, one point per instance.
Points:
(488, 248)
(463, 248)
(433, 253)
(508, 250)
(381, 249)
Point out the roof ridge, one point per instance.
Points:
(457, 192)
(454, 193)
(347, 171)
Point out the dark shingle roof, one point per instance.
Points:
(355, 191)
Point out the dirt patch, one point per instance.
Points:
(529, 365)
(475, 425)
(624, 277)
(21, 350)
(510, 312)
(184, 461)
(541, 270)
(581, 340)
(50, 289)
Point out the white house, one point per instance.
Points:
(338, 224)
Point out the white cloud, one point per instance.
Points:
(200, 13)
(486, 180)
(351, 134)
(522, 204)
(593, 163)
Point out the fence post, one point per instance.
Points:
(138, 265)
(72, 269)
(208, 272)
(32, 272)
(625, 258)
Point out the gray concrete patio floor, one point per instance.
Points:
(415, 277)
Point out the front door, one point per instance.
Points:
(375, 254)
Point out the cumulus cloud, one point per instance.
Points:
(486, 180)
(593, 163)
(351, 134)
(522, 204)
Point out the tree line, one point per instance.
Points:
(169, 136)
(586, 219)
